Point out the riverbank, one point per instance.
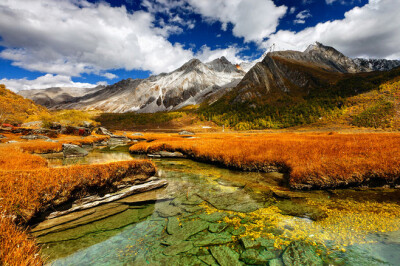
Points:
(311, 160)
(29, 187)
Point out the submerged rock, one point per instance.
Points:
(184, 246)
(225, 256)
(188, 229)
(208, 259)
(257, 257)
(71, 150)
(172, 225)
(299, 253)
(217, 227)
(214, 239)
(167, 210)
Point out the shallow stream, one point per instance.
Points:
(214, 216)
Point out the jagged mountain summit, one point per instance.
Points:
(297, 72)
(192, 83)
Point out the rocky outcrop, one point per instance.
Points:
(94, 201)
(71, 150)
(103, 131)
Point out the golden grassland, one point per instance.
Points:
(15, 108)
(28, 186)
(312, 160)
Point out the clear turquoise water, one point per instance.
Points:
(137, 233)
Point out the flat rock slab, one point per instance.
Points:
(214, 239)
(208, 259)
(248, 242)
(165, 209)
(225, 256)
(96, 201)
(257, 257)
(213, 217)
(181, 247)
(173, 225)
(188, 229)
(217, 227)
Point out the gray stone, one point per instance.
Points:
(225, 256)
(103, 131)
(71, 150)
(2, 137)
(299, 253)
(172, 225)
(33, 137)
(184, 246)
(166, 154)
(12, 141)
(137, 134)
(257, 257)
(186, 133)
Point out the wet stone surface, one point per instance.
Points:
(205, 216)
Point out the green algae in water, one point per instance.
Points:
(232, 206)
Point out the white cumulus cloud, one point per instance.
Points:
(72, 37)
(44, 82)
(253, 20)
(370, 31)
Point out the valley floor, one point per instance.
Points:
(311, 160)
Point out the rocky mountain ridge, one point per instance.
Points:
(192, 83)
(196, 82)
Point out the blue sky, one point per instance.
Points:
(89, 42)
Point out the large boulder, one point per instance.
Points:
(103, 131)
(71, 150)
(33, 137)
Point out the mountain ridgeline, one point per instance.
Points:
(281, 89)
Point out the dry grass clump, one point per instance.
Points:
(28, 186)
(312, 160)
(16, 247)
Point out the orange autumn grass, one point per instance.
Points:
(317, 160)
(28, 186)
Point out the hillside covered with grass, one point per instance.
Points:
(16, 109)
(360, 100)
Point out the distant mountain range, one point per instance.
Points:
(196, 82)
